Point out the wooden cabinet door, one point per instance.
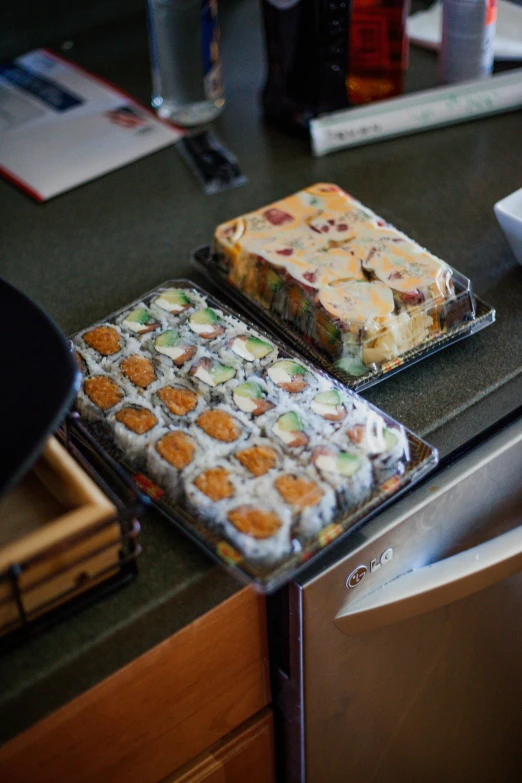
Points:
(244, 756)
(159, 711)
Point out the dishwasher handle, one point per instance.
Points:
(424, 589)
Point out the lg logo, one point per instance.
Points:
(358, 574)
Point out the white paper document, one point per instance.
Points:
(61, 126)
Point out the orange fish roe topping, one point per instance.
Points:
(139, 420)
(254, 521)
(176, 448)
(219, 425)
(139, 370)
(215, 484)
(178, 401)
(258, 459)
(298, 491)
(102, 391)
(104, 339)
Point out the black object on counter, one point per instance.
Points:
(213, 165)
(39, 382)
(307, 59)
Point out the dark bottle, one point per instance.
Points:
(307, 60)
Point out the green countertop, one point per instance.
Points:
(96, 248)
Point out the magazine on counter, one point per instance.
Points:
(61, 126)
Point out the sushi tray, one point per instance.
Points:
(258, 456)
(68, 534)
(346, 289)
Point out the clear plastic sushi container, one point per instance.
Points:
(257, 455)
(346, 288)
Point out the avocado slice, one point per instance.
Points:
(249, 389)
(205, 316)
(168, 339)
(221, 373)
(290, 422)
(331, 397)
(174, 297)
(258, 347)
(290, 367)
(140, 321)
(347, 464)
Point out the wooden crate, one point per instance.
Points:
(56, 538)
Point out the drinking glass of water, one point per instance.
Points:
(187, 83)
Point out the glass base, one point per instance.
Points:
(190, 114)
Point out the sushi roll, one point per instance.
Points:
(178, 401)
(138, 370)
(167, 457)
(103, 341)
(173, 300)
(140, 321)
(174, 347)
(206, 486)
(173, 305)
(329, 405)
(348, 472)
(290, 430)
(387, 447)
(211, 372)
(251, 397)
(81, 362)
(207, 323)
(134, 425)
(258, 456)
(219, 431)
(99, 393)
(288, 375)
(250, 348)
(260, 530)
(311, 501)
(98, 396)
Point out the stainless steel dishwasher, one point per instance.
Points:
(401, 659)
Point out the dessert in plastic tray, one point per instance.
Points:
(361, 292)
(257, 455)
